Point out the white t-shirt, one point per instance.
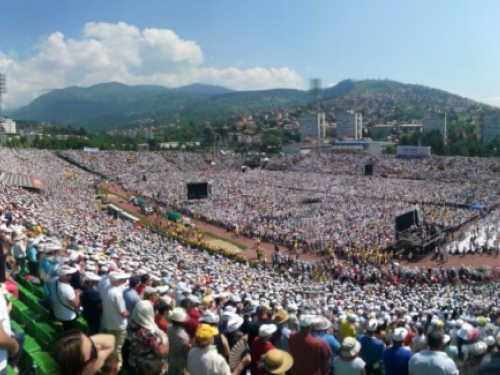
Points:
(348, 367)
(61, 298)
(207, 361)
(113, 307)
(4, 318)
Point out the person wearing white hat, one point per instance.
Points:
(115, 314)
(321, 328)
(397, 357)
(490, 364)
(19, 251)
(179, 342)
(348, 362)
(233, 333)
(260, 346)
(65, 300)
(433, 360)
(371, 349)
(91, 302)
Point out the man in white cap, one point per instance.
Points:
(396, 358)
(91, 302)
(65, 300)
(434, 360)
(311, 355)
(490, 365)
(371, 349)
(115, 314)
(260, 346)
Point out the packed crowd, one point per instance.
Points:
(163, 307)
(321, 202)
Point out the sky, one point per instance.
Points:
(453, 45)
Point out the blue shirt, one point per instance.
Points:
(371, 350)
(396, 360)
(31, 253)
(131, 299)
(330, 340)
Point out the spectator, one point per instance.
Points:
(115, 314)
(322, 330)
(371, 349)
(162, 310)
(9, 345)
(203, 357)
(32, 257)
(149, 345)
(220, 340)
(396, 358)
(262, 318)
(490, 365)
(179, 342)
(65, 300)
(260, 346)
(145, 281)
(130, 295)
(77, 354)
(348, 362)
(311, 355)
(348, 326)
(277, 362)
(433, 360)
(91, 303)
(19, 251)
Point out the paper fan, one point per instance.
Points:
(237, 353)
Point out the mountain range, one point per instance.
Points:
(113, 105)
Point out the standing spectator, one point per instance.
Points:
(9, 346)
(65, 300)
(115, 314)
(371, 349)
(321, 331)
(277, 362)
(311, 355)
(348, 363)
(490, 365)
(130, 295)
(262, 318)
(32, 257)
(434, 360)
(161, 312)
(145, 281)
(149, 344)
(203, 357)
(348, 326)
(179, 342)
(260, 346)
(19, 251)
(396, 358)
(91, 302)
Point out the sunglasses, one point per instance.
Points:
(93, 353)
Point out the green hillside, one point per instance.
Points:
(115, 105)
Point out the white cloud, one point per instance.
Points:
(123, 53)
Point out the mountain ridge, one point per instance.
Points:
(113, 105)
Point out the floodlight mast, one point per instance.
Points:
(315, 85)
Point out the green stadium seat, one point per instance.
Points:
(16, 327)
(46, 364)
(18, 308)
(45, 335)
(10, 371)
(30, 345)
(29, 320)
(82, 325)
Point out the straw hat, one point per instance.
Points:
(277, 361)
(350, 347)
